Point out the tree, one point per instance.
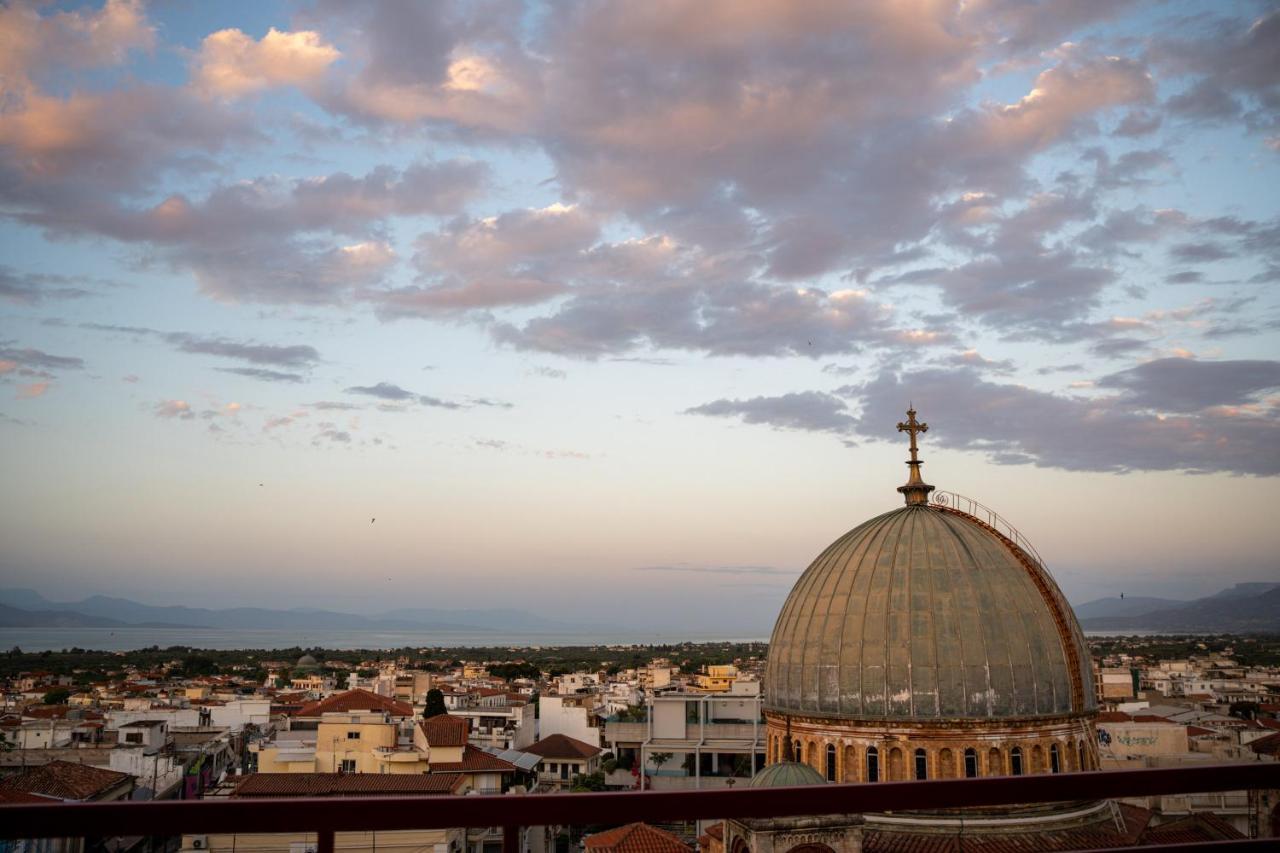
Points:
(590, 782)
(435, 704)
(57, 696)
(1244, 710)
(657, 759)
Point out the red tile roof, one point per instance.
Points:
(346, 784)
(474, 760)
(444, 730)
(563, 746)
(1269, 745)
(65, 780)
(356, 700)
(1194, 828)
(635, 838)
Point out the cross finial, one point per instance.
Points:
(916, 490)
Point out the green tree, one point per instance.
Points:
(590, 782)
(657, 759)
(57, 696)
(435, 704)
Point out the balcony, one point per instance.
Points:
(398, 753)
(325, 817)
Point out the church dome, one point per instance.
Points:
(926, 613)
(786, 774)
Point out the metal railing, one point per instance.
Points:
(327, 816)
(990, 517)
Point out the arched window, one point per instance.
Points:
(970, 763)
(1015, 761)
(798, 753)
(873, 764)
(995, 763)
(831, 763)
(1055, 761)
(922, 765)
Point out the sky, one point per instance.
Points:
(609, 310)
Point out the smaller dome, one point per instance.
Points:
(786, 774)
(307, 661)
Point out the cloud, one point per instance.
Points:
(171, 409)
(34, 288)
(1188, 385)
(35, 43)
(804, 410)
(296, 355)
(32, 390)
(327, 405)
(231, 64)
(383, 391)
(1014, 424)
(35, 358)
(262, 373)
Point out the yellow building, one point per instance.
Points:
(716, 679)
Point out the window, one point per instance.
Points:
(831, 763)
(133, 737)
(873, 764)
(1080, 749)
(353, 736)
(564, 771)
(1015, 761)
(922, 765)
(970, 764)
(1055, 764)
(348, 766)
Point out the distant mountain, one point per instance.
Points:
(1256, 607)
(1130, 605)
(16, 617)
(122, 611)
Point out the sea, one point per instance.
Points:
(129, 639)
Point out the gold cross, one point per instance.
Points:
(913, 426)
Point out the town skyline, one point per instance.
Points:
(583, 309)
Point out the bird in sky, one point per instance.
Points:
(372, 520)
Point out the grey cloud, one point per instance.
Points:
(1199, 252)
(334, 435)
(296, 355)
(383, 391)
(1018, 425)
(1118, 347)
(394, 393)
(1139, 123)
(804, 410)
(35, 358)
(33, 288)
(325, 405)
(1185, 277)
(1189, 385)
(262, 373)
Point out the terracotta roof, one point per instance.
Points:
(1195, 731)
(7, 796)
(635, 838)
(1269, 745)
(474, 760)
(346, 784)
(1097, 835)
(46, 712)
(444, 730)
(356, 700)
(562, 746)
(65, 780)
(1113, 717)
(1194, 828)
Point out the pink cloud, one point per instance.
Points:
(30, 392)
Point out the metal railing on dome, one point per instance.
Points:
(987, 515)
(323, 817)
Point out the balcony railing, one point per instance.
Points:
(326, 816)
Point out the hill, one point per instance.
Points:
(1255, 608)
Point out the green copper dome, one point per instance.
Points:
(786, 774)
(926, 613)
